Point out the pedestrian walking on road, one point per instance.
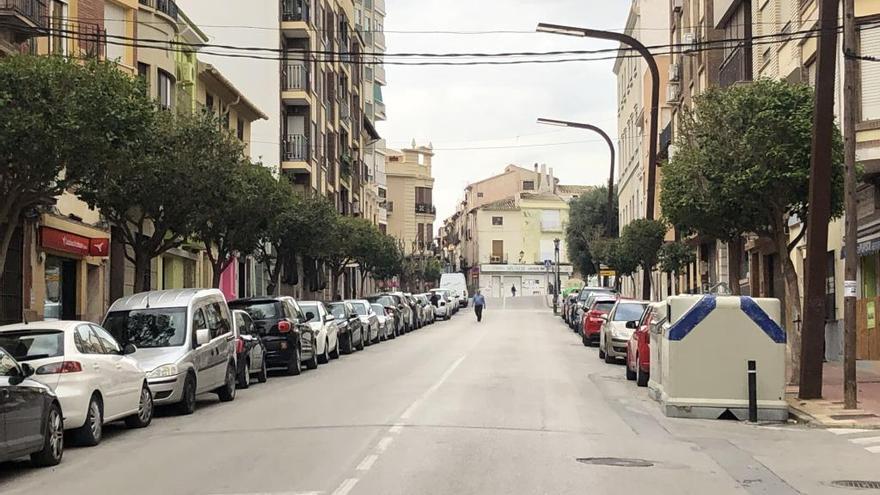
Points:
(513, 290)
(479, 304)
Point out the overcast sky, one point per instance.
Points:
(460, 107)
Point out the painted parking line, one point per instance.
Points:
(865, 441)
(346, 486)
(367, 463)
(848, 431)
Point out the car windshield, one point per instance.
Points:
(629, 311)
(360, 308)
(603, 306)
(33, 344)
(268, 310)
(338, 310)
(147, 328)
(310, 308)
(378, 309)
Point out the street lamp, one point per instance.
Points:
(575, 125)
(655, 109)
(556, 285)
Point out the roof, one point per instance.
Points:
(506, 204)
(174, 298)
(507, 170)
(570, 189)
(242, 100)
(42, 325)
(547, 196)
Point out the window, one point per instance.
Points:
(551, 220)
(424, 196)
(144, 74)
(149, 328)
(58, 25)
(421, 234)
(209, 102)
(528, 185)
(497, 220)
(114, 23)
(107, 341)
(8, 366)
(199, 320)
(166, 89)
(217, 324)
(33, 344)
(479, 195)
(239, 131)
(869, 44)
(86, 341)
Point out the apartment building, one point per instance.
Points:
(410, 200)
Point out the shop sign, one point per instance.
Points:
(868, 247)
(66, 242)
(99, 247)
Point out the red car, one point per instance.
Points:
(593, 318)
(638, 349)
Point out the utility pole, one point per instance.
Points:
(813, 333)
(850, 385)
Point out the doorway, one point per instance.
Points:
(60, 278)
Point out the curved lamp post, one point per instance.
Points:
(575, 125)
(655, 109)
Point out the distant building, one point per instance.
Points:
(411, 210)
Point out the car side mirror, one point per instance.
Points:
(603, 317)
(27, 370)
(203, 336)
(129, 349)
(632, 324)
(329, 318)
(310, 316)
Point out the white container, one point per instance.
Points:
(699, 357)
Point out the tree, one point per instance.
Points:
(389, 260)
(675, 257)
(640, 242)
(588, 222)
(341, 248)
(59, 115)
(377, 255)
(614, 253)
(743, 166)
(432, 270)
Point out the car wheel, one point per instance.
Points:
(324, 358)
(263, 375)
(144, 416)
(641, 376)
(312, 363)
(294, 367)
(361, 341)
(187, 404)
(90, 433)
(585, 340)
(630, 374)
(601, 352)
(335, 353)
(608, 357)
(53, 439)
(244, 378)
(227, 391)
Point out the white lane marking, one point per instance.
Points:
(847, 431)
(874, 450)
(865, 441)
(383, 444)
(397, 428)
(346, 486)
(367, 463)
(411, 409)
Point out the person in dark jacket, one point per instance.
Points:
(479, 304)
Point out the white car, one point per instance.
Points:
(93, 376)
(369, 319)
(386, 321)
(452, 301)
(619, 325)
(326, 330)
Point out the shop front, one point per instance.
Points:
(528, 280)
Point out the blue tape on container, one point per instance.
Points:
(692, 318)
(756, 314)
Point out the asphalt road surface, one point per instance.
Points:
(506, 406)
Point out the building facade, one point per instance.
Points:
(410, 198)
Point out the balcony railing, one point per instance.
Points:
(425, 209)
(733, 69)
(295, 148)
(294, 10)
(666, 137)
(295, 77)
(167, 7)
(34, 11)
(498, 259)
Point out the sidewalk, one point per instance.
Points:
(829, 410)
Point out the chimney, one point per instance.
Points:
(551, 181)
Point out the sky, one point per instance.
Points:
(458, 109)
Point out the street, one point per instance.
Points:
(506, 406)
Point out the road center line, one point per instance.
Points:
(411, 409)
(367, 463)
(346, 486)
(383, 444)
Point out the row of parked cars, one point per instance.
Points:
(618, 326)
(64, 380)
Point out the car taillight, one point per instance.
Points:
(283, 326)
(239, 345)
(60, 367)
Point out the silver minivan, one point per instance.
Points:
(184, 340)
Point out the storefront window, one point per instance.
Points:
(869, 275)
(60, 278)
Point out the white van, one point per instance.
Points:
(456, 283)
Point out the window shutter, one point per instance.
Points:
(870, 74)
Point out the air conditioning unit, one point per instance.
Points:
(676, 5)
(673, 93)
(495, 259)
(675, 72)
(689, 43)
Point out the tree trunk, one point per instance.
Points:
(6, 239)
(217, 268)
(364, 275)
(142, 261)
(734, 264)
(792, 304)
(273, 272)
(334, 283)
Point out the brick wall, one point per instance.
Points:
(91, 12)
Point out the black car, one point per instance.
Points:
(250, 351)
(351, 330)
(32, 415)
(390, 304)
(281, 324)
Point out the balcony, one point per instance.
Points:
(167, 7)
(379, 6)
(25, 18)
(665, 138)
(380, 75)
(379, 40)
(295, 153)
(733, 69)
(425, 209)
(379, 110)
(498, 259)
(92, 39)
(345, 113)
(295, 84)
(295, 18)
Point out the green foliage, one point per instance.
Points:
(675, 257)
(641, 240)
(589, 222)
(384, 259)
(614, 253)
(432, 270)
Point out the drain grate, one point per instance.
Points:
(615, 461)
(865, 485)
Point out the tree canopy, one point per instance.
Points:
(588, 222)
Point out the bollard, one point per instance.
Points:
(753, 392)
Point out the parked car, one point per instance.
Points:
(184, 341)
(93, 377)
(583, 297)
(250, 352)
(386, 321)
(450, 300)
(418, 316)
(442, 309)
(457, 285)
(325, 327)
(369, 320)
(618, 326)
(638, 350)
(289, 340)
(389, 302)
(34, 410)
(598, 306)
(351, 330)
(409, 313)
(568, 303)
(426, 307)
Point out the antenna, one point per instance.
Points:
(148, 302)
